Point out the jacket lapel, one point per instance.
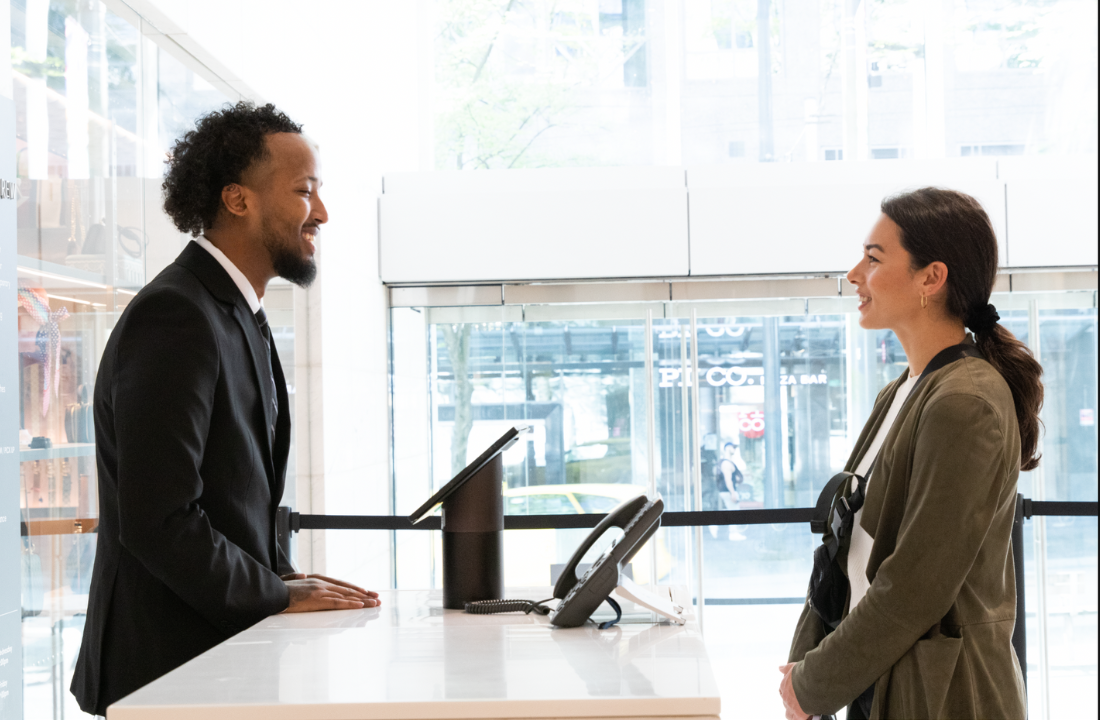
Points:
(210, 272)
(281, 449)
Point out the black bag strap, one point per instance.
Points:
(947, 356)
(820, 518)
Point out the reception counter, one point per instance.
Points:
(410, 658)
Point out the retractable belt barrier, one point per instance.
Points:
(295, 522)
(288, 522)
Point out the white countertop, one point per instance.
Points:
(411, 658)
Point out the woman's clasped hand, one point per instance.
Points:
(791, 709)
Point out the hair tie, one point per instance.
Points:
(983, 319)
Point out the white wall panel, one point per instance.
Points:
(533, 225)
(765, 219)
(522, 181)
(769, 229)
(812, 218)
(446, 296)
(1052, 211)
(898, 174)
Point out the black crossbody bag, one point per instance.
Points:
(828, 589)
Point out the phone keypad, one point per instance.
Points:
(634, 520)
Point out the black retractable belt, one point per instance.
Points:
(828, 589)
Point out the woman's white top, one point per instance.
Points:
(859, 552)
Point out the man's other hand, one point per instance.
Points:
(317, 592)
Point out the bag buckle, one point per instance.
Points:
(842, 519)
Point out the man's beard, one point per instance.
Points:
(288, 262)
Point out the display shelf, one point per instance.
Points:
(57, 604)
(68, 513)
(59, 526)
(57, 452)
(53, 270)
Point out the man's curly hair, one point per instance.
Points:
(216, 153)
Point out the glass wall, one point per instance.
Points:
(782, 390)
(703, 82)
(1062, 576)
(775, 398)
(97, 106)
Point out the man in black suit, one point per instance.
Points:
(191, 416)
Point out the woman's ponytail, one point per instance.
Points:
(1022, 372)
(951, 227)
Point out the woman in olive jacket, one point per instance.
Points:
(929, 634)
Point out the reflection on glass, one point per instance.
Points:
(1068, 353)
(580, 386)
(643, 82)
(88, 220)
(1071, 603)
(1066, 347)
(182, 96)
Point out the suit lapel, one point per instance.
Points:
(210, 272)
(281, 449)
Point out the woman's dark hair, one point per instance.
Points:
(951, 227)
(216, 153)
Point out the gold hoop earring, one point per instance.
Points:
(923, 301)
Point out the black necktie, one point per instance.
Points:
(265, 330)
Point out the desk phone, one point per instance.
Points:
(639, 518)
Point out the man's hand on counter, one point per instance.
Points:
(317, 592)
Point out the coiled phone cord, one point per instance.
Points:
(490, 607)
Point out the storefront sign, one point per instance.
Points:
(736, 376)
(715, 331)
(751, 424)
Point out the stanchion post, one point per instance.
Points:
(1019, 633)
(282, 529)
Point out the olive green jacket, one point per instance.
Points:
(933, 634)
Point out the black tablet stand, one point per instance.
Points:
(473, 538)
(473, 526)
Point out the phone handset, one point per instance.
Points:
(620, 517)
